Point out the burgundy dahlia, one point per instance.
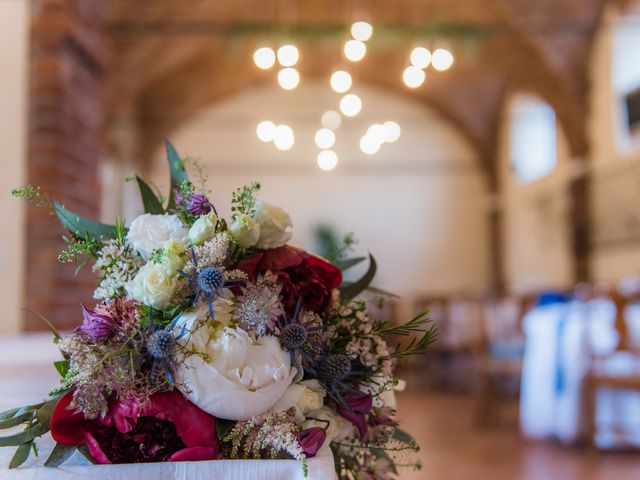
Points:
(167, 428)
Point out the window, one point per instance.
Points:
(532, 139)
(625, 76)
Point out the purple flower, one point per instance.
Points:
(311, 440)
(199, 204)
(358, 405)
(96, 326)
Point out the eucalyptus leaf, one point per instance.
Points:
(59, 455)
(347, 263)
(177, 172)
(24, 437)
(82, 227)
(21, 455)
(379, 291)
(9, 413)
(350, 290)
(149, 199)
(84, 450)
(44, 413)
(17, 420)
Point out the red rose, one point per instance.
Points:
(304, 277)
(167, 428)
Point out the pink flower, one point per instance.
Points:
(311, 440)
(95, 325)
(358, 405)
(166, 428)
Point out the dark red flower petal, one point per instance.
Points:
(195, 454)
(68, 424)
(311, 440)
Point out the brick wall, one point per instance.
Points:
(65, 141)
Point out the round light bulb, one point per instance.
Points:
(361, 31)
(355, 50)
(442, 59)
(266, 131)
(283, 137)
(327, 160)
(413, 76)
(340, 81)
(378, 132)
(420, 57)
(369, 145)
(331, 119)
(350, 105)
(392, 131)
(264, 58)
(288, 55)
(288, 78)
(325, 138)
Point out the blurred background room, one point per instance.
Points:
(487, 152)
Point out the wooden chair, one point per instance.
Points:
(598, 378)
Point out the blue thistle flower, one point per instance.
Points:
(210, 279)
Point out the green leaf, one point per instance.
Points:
(403, 437)
(24, 437)
(9, 413)
(44, 413)
(149, 199)
(17, 420)
(223, 427)
(62, 367)
(59, 455)
(347, 263)
(21, 455)
(177, 172)
(350, 290)
(82, 227)
(84, 450)
(379, 291)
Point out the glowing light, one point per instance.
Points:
(327, 160)
(378, 132)
(325, 138)
(264, 58)
(355, 50)
(420, 57)
(331, 119)
(413, 76)
(369, 145)
(288, 78)
(392, 131)
(266, 131)
(340, 81)
(283, 137)
(288, 55)
(361, 31)
(350, 105)
(442, 59)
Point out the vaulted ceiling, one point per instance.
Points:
(172, 58)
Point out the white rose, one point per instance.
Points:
(153, 285)
(305, 396)
(245, 230)
(150, 232)
(236, 378)
(174, 257)
(275, 225)
(203, 229)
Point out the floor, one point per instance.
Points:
(452, 449)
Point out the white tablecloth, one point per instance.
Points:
(26, 375)
(557, 355)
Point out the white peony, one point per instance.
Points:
(153, 285)
(203, 229)
(149, 232)
(235, 378)
(275, 225)
(245, 230)
(305, 396)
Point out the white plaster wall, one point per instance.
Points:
(417, 205)
(536, 237)
(14, 18)
(615, 63)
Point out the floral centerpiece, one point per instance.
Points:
(214, 339)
